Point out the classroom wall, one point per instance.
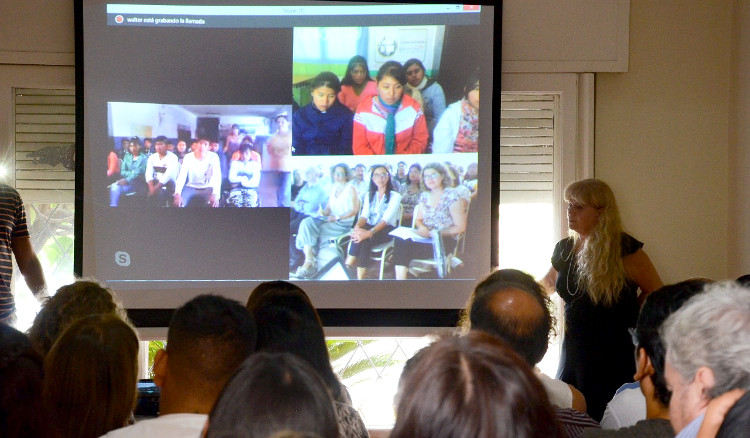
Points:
(662, 135)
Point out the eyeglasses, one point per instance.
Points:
(633, 336)
(431, 175)
(379, 175)
(339, 174)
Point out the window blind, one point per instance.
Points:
(527, 123)
(45, 144)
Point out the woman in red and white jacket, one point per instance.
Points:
(391, 122)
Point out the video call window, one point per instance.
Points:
(318, 142)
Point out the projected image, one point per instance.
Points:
(380, 217)
(180, 156)
(382, 91)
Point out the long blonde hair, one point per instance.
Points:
(600, 268)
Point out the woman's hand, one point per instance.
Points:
(717, 411)
(422, 230)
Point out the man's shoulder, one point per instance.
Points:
(166, 426)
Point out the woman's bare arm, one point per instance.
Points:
(549, 280)
(640, 270)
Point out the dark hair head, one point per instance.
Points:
(414, 61)
(473, 386)
(135, 140)
(346, 168)
(510, 304)
(91, 376)
(373, 190)
(69, 304)
(288, 322)
(245, 146)
(271, 393)
(208, 338)
(737, 422)
(353, 62)
(393, 69)
(161, 139)
(744, 280)
(326, 79)
(655, 310)
(471, 82)
(21, 378)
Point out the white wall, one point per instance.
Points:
(738, 235)
(662, 132)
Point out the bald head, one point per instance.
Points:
(515, 311)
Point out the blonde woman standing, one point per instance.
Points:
(597, 272)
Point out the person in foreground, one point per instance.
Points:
(472, 386)
(650, 361)
(597, 272)
(91, 374)
(708, 352)
(208, 338)
(21, 380)
(69, 304)
(511, 305)
(273, 395)
(288, 322)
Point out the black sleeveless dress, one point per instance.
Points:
(597, 353)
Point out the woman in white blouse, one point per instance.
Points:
(379, 217)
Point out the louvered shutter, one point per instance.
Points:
(526, 143)
(45, 144)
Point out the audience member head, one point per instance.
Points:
(273, 393)
(21, 379)
(288, 322)
(391, 80)
(473, 386)
(708, 349)
(91, 374)
(344, 171)
(471, 89)
(208, 338)
(510, 304)
(324, 89)
(357, 72)
(69, 304)
(375, 177)
(442, 176)
(414, 176)
(655, 310)
(737, 422)
(744, 280)
(415, 71)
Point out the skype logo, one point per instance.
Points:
(122, 258)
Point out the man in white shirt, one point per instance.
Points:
(200, 176)
(162, 169)
(208, 338)
(708, 352)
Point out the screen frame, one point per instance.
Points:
(331, 317)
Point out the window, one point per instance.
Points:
(44, 176)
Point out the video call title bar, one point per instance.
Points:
(288, 16)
